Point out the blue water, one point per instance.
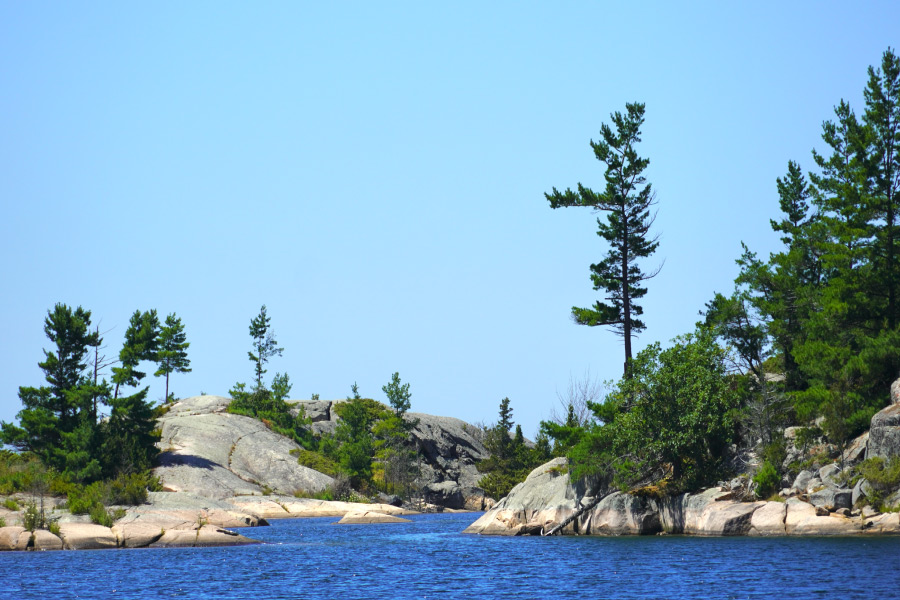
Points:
(429, 558)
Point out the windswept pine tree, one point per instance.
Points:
(627, 200)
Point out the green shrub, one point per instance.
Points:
(54, 528)
(128, 489)
(100, 516)
(883, 477)
(316, 461)
(767, 480)
(2, 522)
(81, 500)
(11, 504)
(322, 495)
(32, 518)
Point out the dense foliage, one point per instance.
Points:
(824, 311)
(673, 419)
(60, 422)
(511, 459)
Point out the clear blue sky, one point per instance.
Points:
(376, 175)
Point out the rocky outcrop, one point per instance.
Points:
(449, 450)
(214, 454)
(547, 498)
(368, 517)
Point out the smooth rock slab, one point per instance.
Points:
(367, 517)
(283, 507)
(87, 536)
(208, 535)
(136, 535)
(44, 540)
(801, 519)
(888, 523)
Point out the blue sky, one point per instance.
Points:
(375, 175)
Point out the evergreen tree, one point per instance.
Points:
(627, 198)
(394, 452)
(398, 395)
(510, 458)
(57, 421)
(141, 343)
(172, 354)
(129, 435)
(264, 344)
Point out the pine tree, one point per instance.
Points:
(627, 198)
(398, 395)
(57, 421)
(172, 354)
(141, 343)
(263, 343)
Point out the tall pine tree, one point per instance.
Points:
(627, 199)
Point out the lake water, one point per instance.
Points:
(429, 558)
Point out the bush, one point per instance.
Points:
(341, 488)
(323, 495)
(675, 416)
(128, 489)
(316, 461)
(10, 504)
(883, 477)
(101, 516)
(767, 479)
(32, 518)
(83, 499)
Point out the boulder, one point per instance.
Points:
(546, 497)
(884, 433)
(801, 481)
(9, 538)
(830, 475)
(831, 499)
(860, 490)
(42, 539)
(445, 493)
(814, 485)
(368, 516)
(316, 411)
(87, 536)
(768, 519)
(856, 451)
